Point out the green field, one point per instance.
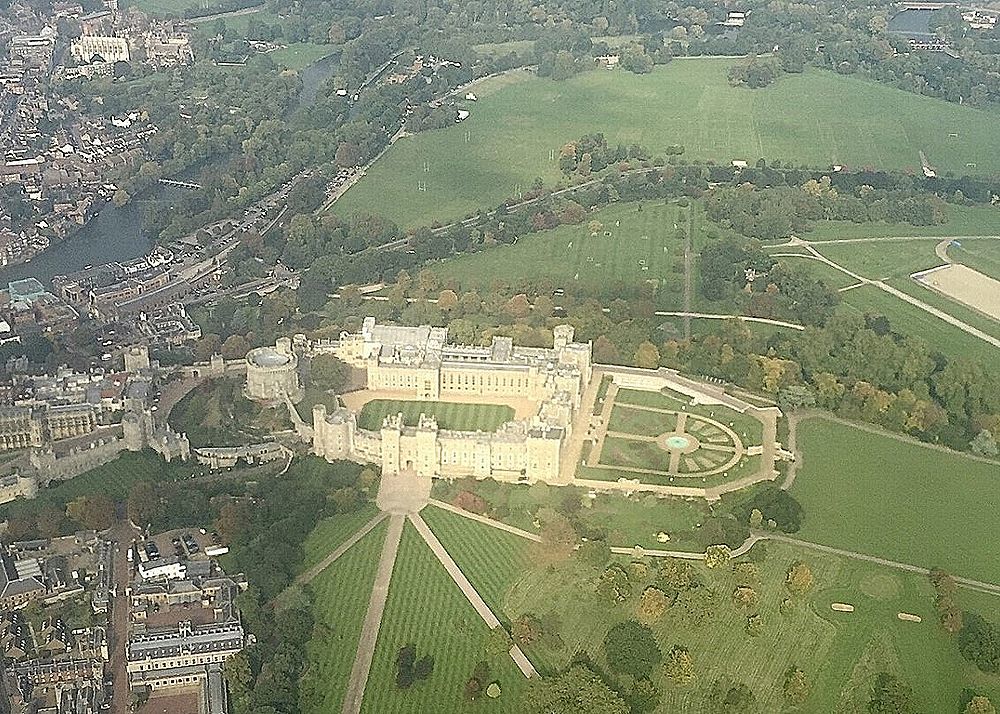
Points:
(961, 221)
(300, 54)
(341, 594)
(331, 532)
(746, 427)
(426, 608)
(817, 118)
(840, 653)
(627, 520)
(460, 417)
(983, 255)
(899, 500)
(952, 307)
(643, 245)
(910, 320)
(882, 260)
(640, 421)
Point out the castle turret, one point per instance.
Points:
(562, 335)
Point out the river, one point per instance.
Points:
(119, 233)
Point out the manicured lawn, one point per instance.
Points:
(341, 594)
(643, 245)
(300, 54)
(460, 417)
(898, 500)
(634, 454)
(492, 559)
(910, 320)
(427, 609)
(817, 118)
(746, 427)
(331, 532)
(961, 221)
(640, 421)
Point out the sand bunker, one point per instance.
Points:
(967, 286)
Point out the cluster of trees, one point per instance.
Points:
(591, 153)
(857, 367)
(755, 72)
(409, 669)
(979, 642)
(945, 600)
(772, 213)
(736, 270)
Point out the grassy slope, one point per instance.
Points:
(331, 532)
(300, 54)
(962, 221)
(426, 608)
(818, 118)
(826, 645)
(571, 258)
(463, 417)
(886, 497)
(341, 599)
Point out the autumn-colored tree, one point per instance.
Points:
(744, 596)
(447, 300)
(605, 351)
(518, 306)
(92, 512)
(980, 705)
(233, 520)
(527, 629)
(795, 687)
(647, 356)
(717, 555)
(679, 666)
(143, 504)
(468, 501)
(652, 604)
(558, 539)
(799, 579)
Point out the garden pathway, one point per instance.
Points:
(470, 592)
(373, 617)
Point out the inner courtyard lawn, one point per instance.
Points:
(460, 417)
(340, 600)
(895, 499)
(427, 609)
(514, 134)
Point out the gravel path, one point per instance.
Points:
(373, 618)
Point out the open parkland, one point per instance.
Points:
(659, 472)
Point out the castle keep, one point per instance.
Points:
(418, 363)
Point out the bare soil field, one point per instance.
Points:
(967, 286)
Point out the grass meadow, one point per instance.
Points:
(840, 653)
(945, 304)
(340, 597)
(896, 499)
(880, 261)
(300, 54)
(643, 246)
(817, 118)
(427, 609)
(961, 221)
(461, 417)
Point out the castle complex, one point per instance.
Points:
(418, 363)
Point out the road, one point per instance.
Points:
(121, 535)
